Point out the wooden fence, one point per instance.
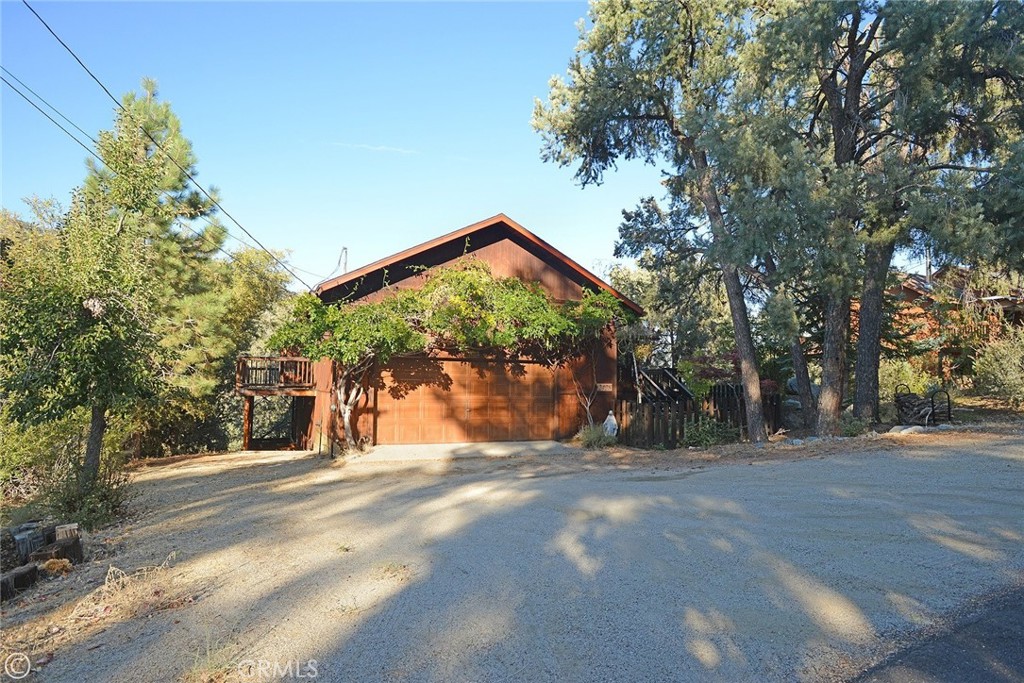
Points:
(650, 424)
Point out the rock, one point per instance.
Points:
(791, 388)
(898, 429)
(17, 580)
(916, 429)
(946, 427)
(792, 415)
(812, 439)
(796, 442)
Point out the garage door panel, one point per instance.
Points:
(470, 402)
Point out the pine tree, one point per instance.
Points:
(659, 81)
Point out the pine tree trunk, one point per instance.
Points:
(93, 448)
(877, 258)
(833, 362)
(803, 381)
(749, 375)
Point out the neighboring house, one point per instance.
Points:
(920, 315)
(440, 398)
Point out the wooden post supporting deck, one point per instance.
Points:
(247, 424)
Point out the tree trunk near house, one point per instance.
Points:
(247, 408)
(93, 447)
(584, 396)
(877, 258)
(808, 407)
(347, 400)
(833, 363)
(750, 377)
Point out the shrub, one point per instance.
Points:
(593, 436)
(999, 368)
(708, 432)
(894, 372)
(62, 495)
(853, 426)
(701, 373)
(29, 451)
(40, 465)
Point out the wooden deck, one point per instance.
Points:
(274, 376)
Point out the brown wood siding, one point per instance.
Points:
(506, 259)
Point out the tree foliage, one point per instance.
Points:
(802, 146)
(78, 306)
(120, 305)
(459, 308)
(662, 82)
(207, 307)
(687, 314)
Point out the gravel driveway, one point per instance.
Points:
(550, 569)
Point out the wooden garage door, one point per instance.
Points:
(445, 401)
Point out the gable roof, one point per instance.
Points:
(398, 267)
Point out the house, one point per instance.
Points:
(947, 314)
(442, 398)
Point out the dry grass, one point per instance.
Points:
(126, 596)
(394, 571)
(57, 567)
(970, 408)
(122, 596)
(216, 664)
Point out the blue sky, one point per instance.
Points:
(325, 125)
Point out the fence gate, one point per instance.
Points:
(664, 424)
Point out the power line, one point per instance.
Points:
(52, 120)
(158, 146)
(79, 129)
(230, 256)
(43, 100)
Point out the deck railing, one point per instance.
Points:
(273, 372)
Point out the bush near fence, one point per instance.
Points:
(670, 425)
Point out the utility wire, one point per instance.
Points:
(192, 230)
(43, 100)
(52, 120)
(74, 125)
(158, 146)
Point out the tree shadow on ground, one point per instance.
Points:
(422, 573)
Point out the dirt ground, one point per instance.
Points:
(734, 563)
